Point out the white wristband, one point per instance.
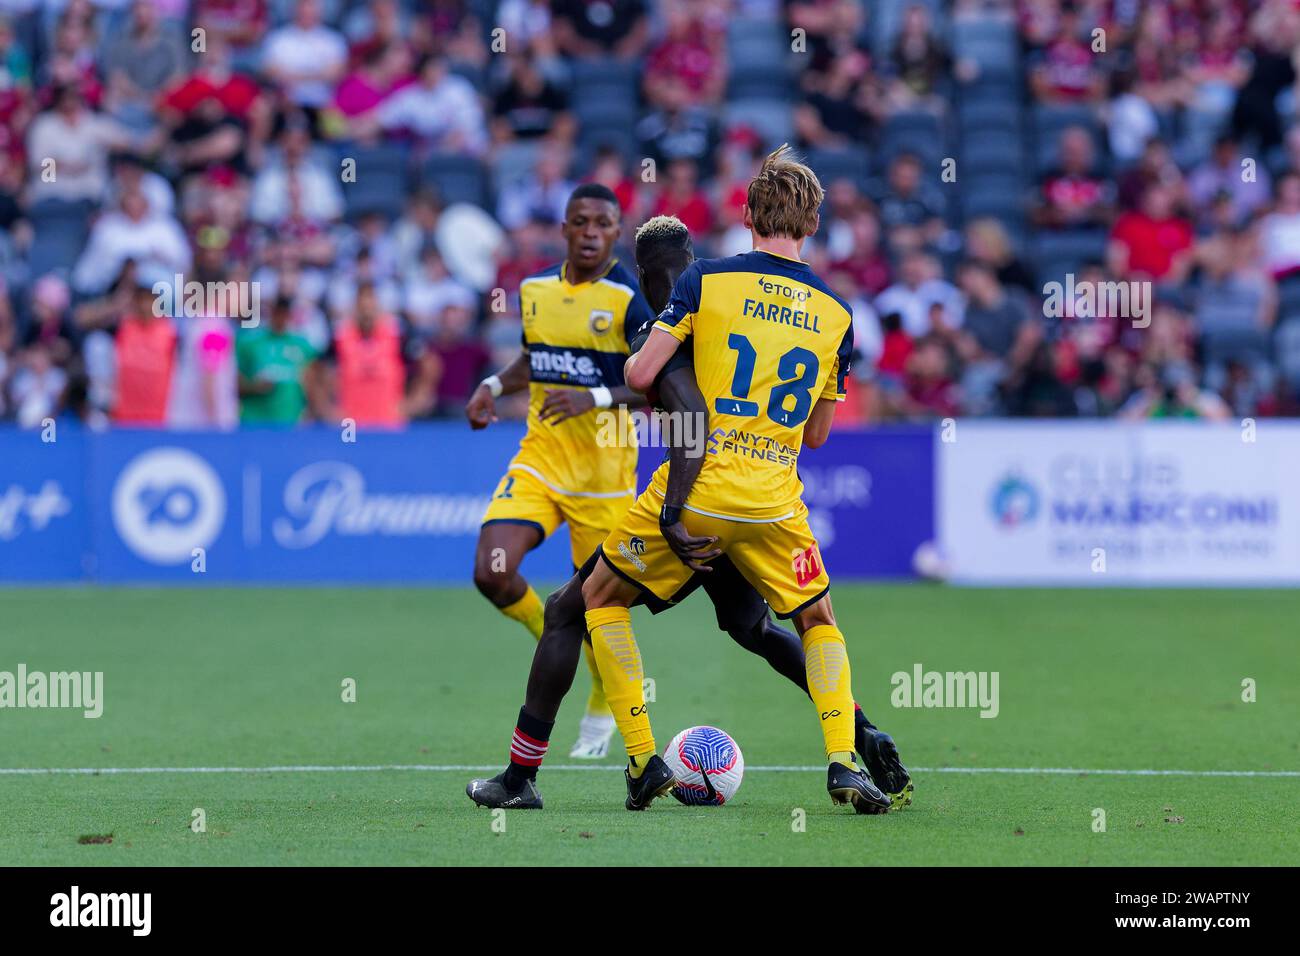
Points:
(494, 385)
(600, 394)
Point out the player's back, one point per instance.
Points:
(770, 340)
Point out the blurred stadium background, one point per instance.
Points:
(397, 166)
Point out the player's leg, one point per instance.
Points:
(634, 558)
(781, 559)
(743, 615)
(555, 662)
(590, 520)
(608, 600)
(519, 517)
(826, 660)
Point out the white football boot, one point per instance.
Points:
(594, 733)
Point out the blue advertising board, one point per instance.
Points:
(306, 506)
(44, 518)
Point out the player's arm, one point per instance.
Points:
(562, 403)
(644, 367)
(481, 409)
(680, 396)
(818, 428)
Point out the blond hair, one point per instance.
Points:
(662, 229)
(784, 197)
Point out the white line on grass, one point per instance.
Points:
(459, 768)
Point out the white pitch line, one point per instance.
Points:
(462, 768)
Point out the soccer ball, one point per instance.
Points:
(708, 766)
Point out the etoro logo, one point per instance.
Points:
(770, 287)
(166, 503)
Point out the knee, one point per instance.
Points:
(751, 637)
(593, 594)
(491, 583)
(563, 608)
(603, 588)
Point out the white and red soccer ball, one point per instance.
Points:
(708, 766)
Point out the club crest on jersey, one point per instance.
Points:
(807, 565)
(637, 545)
(602, 320)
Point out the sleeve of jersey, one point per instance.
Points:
(638, 321)
(524, 298)
(835, 381)
(677, 318)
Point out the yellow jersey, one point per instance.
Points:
(577, 337)
(770, 340)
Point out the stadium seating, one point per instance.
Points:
(980, 110)
(770, 119)
(457, 177)
(61, 229)
(833, 164)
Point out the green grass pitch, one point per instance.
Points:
(251, 678)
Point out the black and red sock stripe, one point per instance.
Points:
(527, 748)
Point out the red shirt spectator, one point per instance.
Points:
(684, 200)
(1152, 238)
(1067, 70)
(610, 169)
(1072, 195)
(236, 93)
(146, 354)
(371, 368)
(689, 55)
(241, 23)
(895, 352)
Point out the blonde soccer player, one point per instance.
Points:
(771, 346)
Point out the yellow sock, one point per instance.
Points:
(636, 765)
(826, 662)
(845, 757)
(597, 705)
(528, 611)
(619, 661)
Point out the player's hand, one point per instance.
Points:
(482, 408)
(562, 403)
(690, 550)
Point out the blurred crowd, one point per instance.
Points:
(371, 180)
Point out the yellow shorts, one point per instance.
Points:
(779, 558)
(523, 498)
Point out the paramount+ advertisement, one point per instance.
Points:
(305, 506)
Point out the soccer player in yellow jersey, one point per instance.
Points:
(771, 350)
(578, 318)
